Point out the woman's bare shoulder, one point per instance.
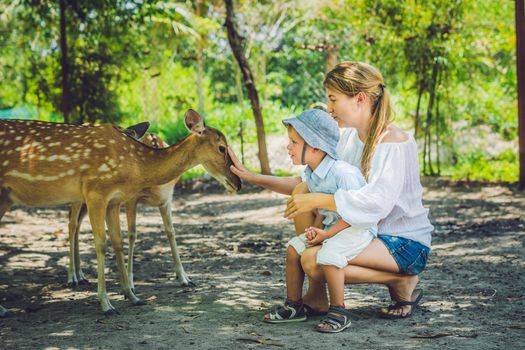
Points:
(394, 135)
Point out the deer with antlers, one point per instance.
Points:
(48, 164)
(155, 196)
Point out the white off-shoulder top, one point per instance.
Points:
(392, 198)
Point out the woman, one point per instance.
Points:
(359, 101)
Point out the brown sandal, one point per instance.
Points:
(385, 312)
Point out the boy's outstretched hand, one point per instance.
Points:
(315, 236)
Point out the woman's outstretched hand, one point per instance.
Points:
(238, 168)
(300, 203)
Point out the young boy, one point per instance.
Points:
(313, 137)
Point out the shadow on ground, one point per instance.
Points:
(233, 249)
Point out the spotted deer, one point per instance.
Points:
(48, 164)
(156, 196)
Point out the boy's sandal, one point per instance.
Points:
(289, 312)
(416, 298)
(311, 312)
(337, 320)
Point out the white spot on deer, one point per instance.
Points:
(103, 168)
(98, 145)
(58, 157)
(6, 142)
(70, 172)
(18, 138)
(47, 138)
(16, 173)
(84, 167)
(112, 142)
(5, 162)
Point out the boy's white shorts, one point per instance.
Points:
(339, 249)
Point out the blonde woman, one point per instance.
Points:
(392, 198)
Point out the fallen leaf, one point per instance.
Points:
(262, 341)
(441, 335)
(34, 308)
(517, 327)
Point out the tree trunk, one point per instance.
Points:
(200, 63)
(520, 61)
(420, 92)
(438, 120)
(145, 92)
(331, 57)
(236, 45)
(66, 102)
(428, 139)
(238, 84)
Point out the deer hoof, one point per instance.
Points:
(111, 312)
(84, 282)
(139, 302)
(190, 284)
(7, 314)
(72, 285)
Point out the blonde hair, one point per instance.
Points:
(351, 78)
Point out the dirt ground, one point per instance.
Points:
(232, 246)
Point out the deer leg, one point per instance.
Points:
(113, 222)
(97, 217)
(74, 225)
(131, 215)
(4, 313)
(165, 212)
(5, 202)
(82, 280)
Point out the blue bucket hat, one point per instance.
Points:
(318, 129)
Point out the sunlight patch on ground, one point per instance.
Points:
(28, 260)
(68, 333)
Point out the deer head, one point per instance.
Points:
(212, 151)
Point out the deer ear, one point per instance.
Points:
(194, 122)
(138, 130)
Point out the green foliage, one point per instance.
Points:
(137, 60)
(476, 165)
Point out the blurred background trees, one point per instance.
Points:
(450, 65)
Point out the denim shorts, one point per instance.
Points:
(411, 256)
